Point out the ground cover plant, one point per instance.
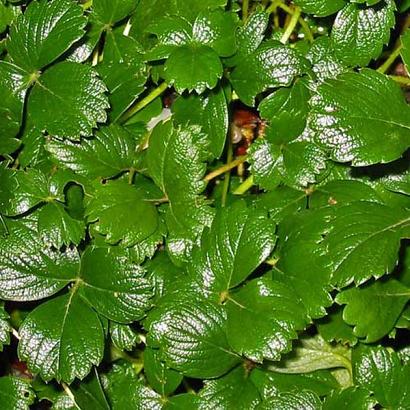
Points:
(204, 204)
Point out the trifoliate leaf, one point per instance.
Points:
(350, 398)
(68, 101)
(334, 329)
(305, 400)
(125, 392)
(30, 270)
(123, 336)
(364, 241)
(320, 8)
(286, 112)
(310, 354)
(175, 162)
(374, 308)
(359, 32)
(57, 228)
(123, 71)
(115, 287)
(162, 379)
(239, 240)
(351, 124)
(235, 390)
(297, 163)
(122, 213)
(194, 50)
(15, 393)
(210, 112)
(5, 327)
(271, 65)
(62, 339)
(110, 152)
(109, 12)
(380, 371)
(191, 337)
(44, 32)
(13, 88)
(263, 318)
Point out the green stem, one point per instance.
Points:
(291, 26)
(392, 57)
(144, 102)
(225, 168)
(405, 81)
(131, 174)
(227, 179)
(245, 9)
(244, 187)
(70, 394)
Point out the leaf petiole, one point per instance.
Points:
(291, 26)
(225, 168)
(245, 186)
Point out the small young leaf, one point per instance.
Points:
(122, 336)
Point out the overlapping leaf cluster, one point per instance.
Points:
(139, 271)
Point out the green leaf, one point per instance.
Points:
(271, 65)
(286, 112)
(111, 11)
(123, 71)
(271, 384)
(239, 240)
(45, 31)
(115, 287)
(305, 400)
(57, 228)
(29, 269)
(320, 8)
(210, 112)
(164, 380)
(123, 336)
(235, 390)
(175, 163)
(109, 153)
(310, 354)
(350, 398)
(122, 213)
(359, 33)
(380, 371)
(364, 241)
(297, 164)
(405, 49)
(62, 339)
(334, 329)
(193, 67)
(263, 318)
(125, 392)
(13, 88)
(191, 337)
(15, 393)
(349, 122)
(374, 308)
(69, 108)
(8, 14)
(5, 327)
